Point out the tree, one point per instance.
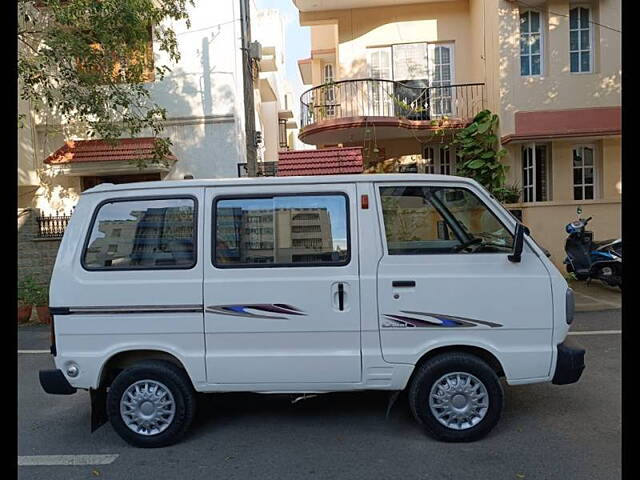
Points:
(85, 62)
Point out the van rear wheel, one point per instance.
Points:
(151, 404)
(456, 396)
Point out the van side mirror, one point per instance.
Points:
(516, 256)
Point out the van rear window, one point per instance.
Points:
(142, 234)
(282, 230)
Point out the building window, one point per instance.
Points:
(329, 89)
(530, 43)
(535, 173)
(580, 50)
(584, 172)
(438, 159)
(142, 234)
(293, 231)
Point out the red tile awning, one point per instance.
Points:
(126, 149)
(578, 122)
(325, 161)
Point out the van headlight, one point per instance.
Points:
(570, 305)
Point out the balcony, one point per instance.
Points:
(346, 111)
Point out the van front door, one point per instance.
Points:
(281, 286)
(444, 279)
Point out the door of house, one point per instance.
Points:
(441, 77)
(379, 95)
(438, 159)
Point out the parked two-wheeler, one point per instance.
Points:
(588, 259)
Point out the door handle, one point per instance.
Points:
(403, 283)
(341, 297)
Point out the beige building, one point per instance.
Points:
(383, 73)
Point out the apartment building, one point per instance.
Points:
(387, 75)
(204, 98)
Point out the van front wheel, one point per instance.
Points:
(151, 404)
(456, 396)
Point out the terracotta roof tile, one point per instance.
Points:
(325, 161)
(127, 149)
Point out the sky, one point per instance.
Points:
(297, 41)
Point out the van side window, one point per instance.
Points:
(142, 234)
(428, 220)
(283, 230)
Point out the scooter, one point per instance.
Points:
(588, 259)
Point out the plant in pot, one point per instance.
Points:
(42, 304)
(26, 298)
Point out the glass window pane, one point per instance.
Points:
(584, 17)
(588, 193)
(535, 65)
(413, 219)
(446, 58)
(573, 40)
(577, 193)
(524, 66)
(535, 21)
(573, 18)
(524, 22)
(588, 176)
(437, 54)
(305, 229)
(143, 234)
(577, 176)
(584, 39)
(575, 65)
(577, 157)
(535, 44)
(585, 62)
(588, 155)
(524, 46)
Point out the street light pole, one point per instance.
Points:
(247, 86)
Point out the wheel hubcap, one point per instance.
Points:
(459, 400)
(147, 407)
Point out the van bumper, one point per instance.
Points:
(569, 366)
(54, 382)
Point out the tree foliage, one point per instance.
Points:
(477, 148)
(84, 62)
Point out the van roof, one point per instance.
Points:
(303, 180)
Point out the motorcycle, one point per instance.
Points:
(588, 259)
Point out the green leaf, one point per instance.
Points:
(476, 164)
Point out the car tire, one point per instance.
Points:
(468, 410)
(151, 404)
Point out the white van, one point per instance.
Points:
(301, 285)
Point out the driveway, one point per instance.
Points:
(546, 431)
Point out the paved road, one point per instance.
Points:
(546, 432)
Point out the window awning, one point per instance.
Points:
(90, 151)
(573, 123)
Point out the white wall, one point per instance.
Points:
(203, 93)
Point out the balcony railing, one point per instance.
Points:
(387, 98)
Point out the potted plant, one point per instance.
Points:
(27, 289)
(42, 304)
(25, 302)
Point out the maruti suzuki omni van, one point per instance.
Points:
(413, 282)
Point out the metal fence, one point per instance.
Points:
(414, 100)
(52, 226)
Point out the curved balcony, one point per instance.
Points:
(342, 112)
